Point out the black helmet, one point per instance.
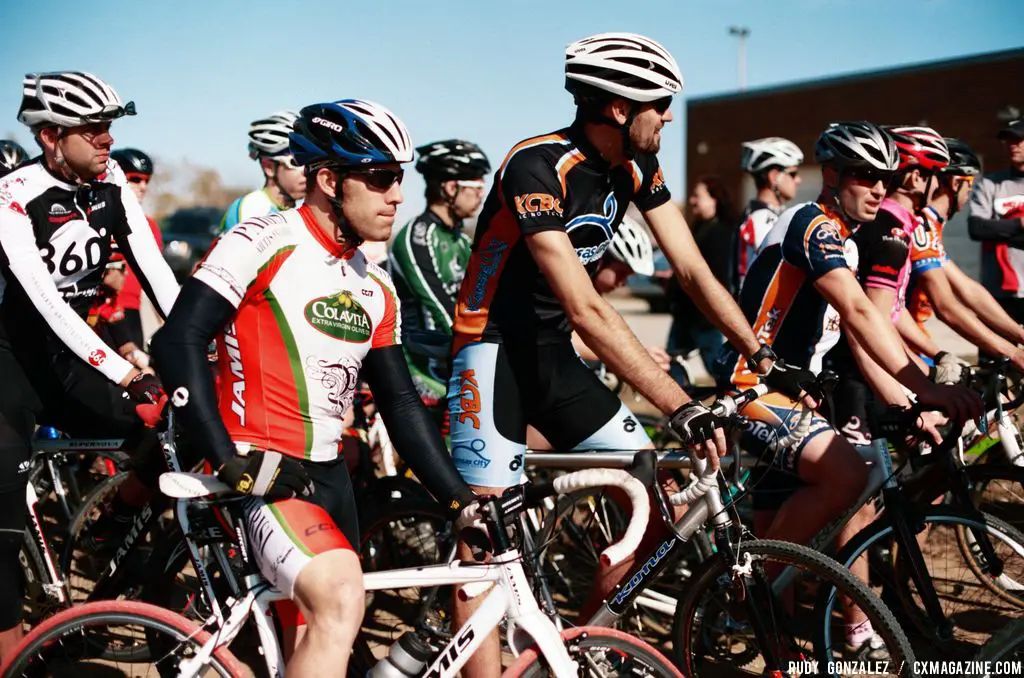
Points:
(11, 155)
(133, 161)
(962, 159)
(857, 145)
(452, 159)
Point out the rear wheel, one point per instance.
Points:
(598, 651)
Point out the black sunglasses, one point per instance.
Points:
(111, 112)
(870, 175)
(661, 105)
(381, 178)
(793, 173)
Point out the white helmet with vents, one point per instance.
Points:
(69, 99)
(623, 64)
(269, 136)
(763, 154)
(632, 245)
(857, 145)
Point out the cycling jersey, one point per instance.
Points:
(428, 262)
(560, 182)
(927, 253)
(779, 298)
(255, 204)
(307, 316)
(884, 252)
(55, 241)
(758, 221)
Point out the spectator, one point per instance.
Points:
(714, 229)
(997, 220)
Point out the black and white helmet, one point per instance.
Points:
(763, 154)
(69, 99)
(623, 64)
(452, 159)
(269, 136)
(632, 245)
(11, 155)
(857, 145)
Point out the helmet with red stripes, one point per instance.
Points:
(919, 148)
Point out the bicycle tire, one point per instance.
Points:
(42, 649)
(931, 520)
(1006, 501)
(689, 631)
(1007, 645)
(630, 655)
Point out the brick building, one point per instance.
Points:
(964, 97)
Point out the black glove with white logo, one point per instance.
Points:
(270, 475)
(693, 423)
(791, 381)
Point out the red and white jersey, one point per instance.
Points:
(307, 316)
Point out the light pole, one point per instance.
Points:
(741, 32)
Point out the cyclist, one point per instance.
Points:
(284, 182)
(11, 155)
(798, 293)
(928, 252)
(138, 170)
(57, 215)
(923, 155)
(556, 202)
(774, 164)
(997, 220)
(300, 312)
(429, 255)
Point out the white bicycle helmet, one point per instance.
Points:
(857, 145)
(269, 136)
(763, 154)
(632, 245)
(69, 99)
(624, 64)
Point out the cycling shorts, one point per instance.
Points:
(777, 474)
(495, 391)
(284, 536)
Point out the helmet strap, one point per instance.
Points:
(287, 196)
(343, 231)
(449, 201)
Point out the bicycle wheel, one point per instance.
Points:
(999, 491)
(77, 640)
(79, 566)
(976, 601)
(406, 534)
(714, 632)
(1005, 646)
(598, 651)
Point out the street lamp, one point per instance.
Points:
(741, 32)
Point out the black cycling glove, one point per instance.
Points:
(270, 475)
(791, 381)
(693, 423)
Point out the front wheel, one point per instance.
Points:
(598, 651)
(75, 642)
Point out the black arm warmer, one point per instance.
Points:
(414, 434)
(179, 356)
(1000, 230)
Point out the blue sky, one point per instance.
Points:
(490, 72)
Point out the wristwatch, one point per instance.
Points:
(765, 352)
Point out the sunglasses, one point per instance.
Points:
(661, 105)
(793, 173)
(287, 160)
(381, 178)
(465, 183)
(870, 176)
(111, 112)
(137, 178)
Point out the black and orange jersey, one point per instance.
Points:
(556, 181)
(778, 297)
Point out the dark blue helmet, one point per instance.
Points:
(349, 133)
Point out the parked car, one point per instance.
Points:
(652, 288)
(188, 233)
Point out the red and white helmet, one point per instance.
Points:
(919, 147)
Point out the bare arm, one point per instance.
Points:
(974, 295)
(960, 318)
(914, 336)
(673, 235)
(881, 382)
(598, 324)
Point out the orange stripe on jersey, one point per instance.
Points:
(533, 141)
(482, 276)
(775, 304)
(386, 332)
(638, 178)
(566, 163)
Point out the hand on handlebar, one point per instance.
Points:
(959, 402)
(700, 431)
